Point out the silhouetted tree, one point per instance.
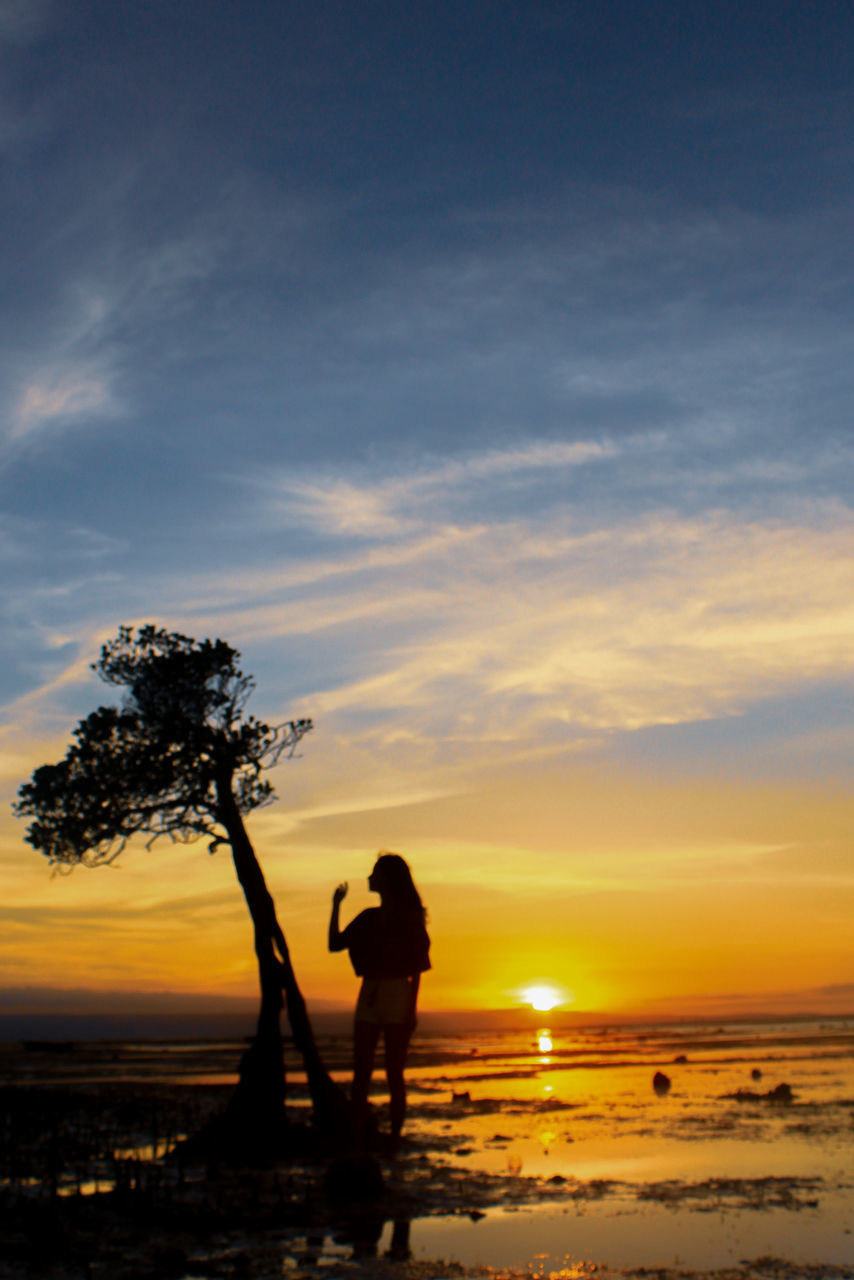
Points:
(181, 758)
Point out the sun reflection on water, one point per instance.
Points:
(548, 1138)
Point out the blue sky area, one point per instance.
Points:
(258, 255)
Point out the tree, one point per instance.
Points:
(182, 758)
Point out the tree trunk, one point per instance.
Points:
(263, 1063)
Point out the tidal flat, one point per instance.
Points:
(681, 1150)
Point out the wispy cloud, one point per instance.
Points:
(404, 502)
(501, 631)
(60, 399)
(661, 621)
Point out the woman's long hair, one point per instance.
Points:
(399, 888)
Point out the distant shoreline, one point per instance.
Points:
(230, 1025)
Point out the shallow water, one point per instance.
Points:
(623, 1235)
(597, 1166)
(683, 1165)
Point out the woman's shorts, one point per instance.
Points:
(384, 1000)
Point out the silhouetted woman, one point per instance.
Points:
(389, 950)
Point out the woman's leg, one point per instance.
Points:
(396, 1037)
(365, 1037)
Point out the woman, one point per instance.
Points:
(389, 950)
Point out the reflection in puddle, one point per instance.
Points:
(614, 1232)
(620, 1233)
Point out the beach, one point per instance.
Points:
(685, 1149)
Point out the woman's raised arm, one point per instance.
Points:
(336, 942)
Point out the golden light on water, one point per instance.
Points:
(547, 1140)
(544, 1041)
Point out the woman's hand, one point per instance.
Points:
(340, 894)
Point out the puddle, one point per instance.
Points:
(625, 1234)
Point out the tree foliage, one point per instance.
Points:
(160, 763)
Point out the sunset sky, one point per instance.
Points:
(483, 372)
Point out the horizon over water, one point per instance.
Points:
(30, 1013)
(182, 1018)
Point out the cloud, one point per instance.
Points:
(402, 503)
(103, 307)
(660, 620)
(503, 636)
(60, 399)
(341, 508)
(37, 721)
(493, 616)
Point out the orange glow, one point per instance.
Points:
(609, 893)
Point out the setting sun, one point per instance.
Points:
(542, 997)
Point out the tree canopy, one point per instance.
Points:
(160, 763)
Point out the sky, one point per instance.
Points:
(483, 373)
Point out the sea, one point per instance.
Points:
(567, 1150)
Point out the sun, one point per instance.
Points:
(542, 997)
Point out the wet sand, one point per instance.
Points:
(545, 1152)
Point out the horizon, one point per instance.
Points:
(76, 1003)
(35, 1029)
